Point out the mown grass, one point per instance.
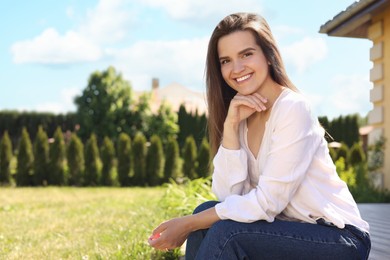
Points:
(79, 223)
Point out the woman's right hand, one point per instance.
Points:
(241, 107)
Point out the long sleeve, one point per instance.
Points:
(230, 172)
(294, 138)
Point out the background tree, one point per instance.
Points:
(92, 161)
(41, 155)
(108, 160)
(139, 157)
(104, 104)
(140, 118)
(184, 122)
(154, 161)
(172, 160)
(189, 158)
(75, 158)
(25, 159)
(357, 159)
(57, 154)
(356, 155)
(342, 151)
(125, 160)
(5, 159)
(333, 153)
(203, 160)
(164, 123)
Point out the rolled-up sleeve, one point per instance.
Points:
(295, 138)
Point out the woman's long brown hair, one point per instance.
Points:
(219, 93)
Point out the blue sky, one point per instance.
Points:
(49, 48)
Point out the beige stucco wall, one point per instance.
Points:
(379, 117)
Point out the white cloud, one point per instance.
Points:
(108, 22)
(64, 105)
(304, 53)
(105, 24)
(350, 94)
(181, 60)
(282, 31)
(202, 10)
(52, 48)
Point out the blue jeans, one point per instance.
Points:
(228, 239)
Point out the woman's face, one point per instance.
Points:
(243, 64)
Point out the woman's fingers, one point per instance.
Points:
(254, 101)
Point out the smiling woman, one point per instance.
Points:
(279, 194)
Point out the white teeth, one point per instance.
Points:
(243, 78)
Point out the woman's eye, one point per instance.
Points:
(224, 62)
(245, 55)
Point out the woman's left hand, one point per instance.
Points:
(170, 234)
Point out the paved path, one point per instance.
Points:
(378, 216)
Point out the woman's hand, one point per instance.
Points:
(170, 234)
(241, 107)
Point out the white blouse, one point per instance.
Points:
(293, 176)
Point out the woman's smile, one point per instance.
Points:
(243, 78)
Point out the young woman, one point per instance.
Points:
(280, 195)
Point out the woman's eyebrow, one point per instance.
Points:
(240, 52)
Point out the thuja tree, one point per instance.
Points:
(92, 160)
(57, 156)
(125, 160)
(5, 159)
(107, 153)
(172, 160)
(203, 159)
(154, 161)
(75, 158)
(189, 157)
(41, 155)
(25, 159)
(139, 157)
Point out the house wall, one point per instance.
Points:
(379, 117)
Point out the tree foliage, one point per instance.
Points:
(107, 153)
(356, 155)
(41, 155)
(139, 157)
(190, 158)
(203, 160)
(125, 159)
(104, 104)
(75, 158)
(172, 160)
(92, 162)
(25, 160)
(154, 162)
(5, 159)
(164, 123)
(57, 154)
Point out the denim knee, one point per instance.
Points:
(205, 205)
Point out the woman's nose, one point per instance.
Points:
(238, 66)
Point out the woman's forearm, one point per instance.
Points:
(204, 219)
(230, 139)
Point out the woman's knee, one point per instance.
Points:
(205, 205)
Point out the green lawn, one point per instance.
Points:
(79, 223)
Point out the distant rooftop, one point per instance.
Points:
(175, 95)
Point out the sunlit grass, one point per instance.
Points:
(78, 223)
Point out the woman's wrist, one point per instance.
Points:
(230, 138)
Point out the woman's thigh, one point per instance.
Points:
(229, 239)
